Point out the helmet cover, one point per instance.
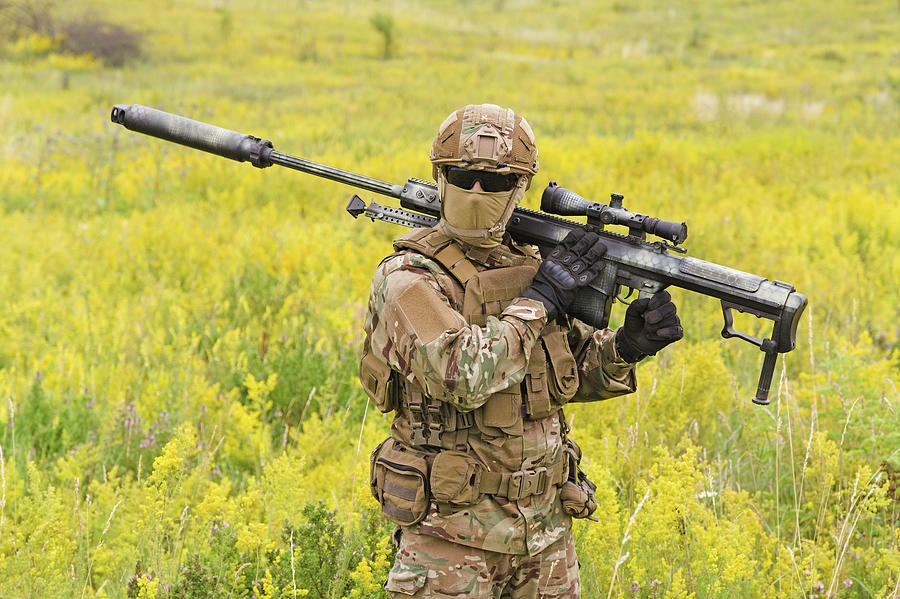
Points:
(485, 137)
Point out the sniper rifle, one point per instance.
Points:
(632, 260)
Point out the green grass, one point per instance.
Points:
(148, 288)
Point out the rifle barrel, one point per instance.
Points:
(336, 174)
(234, 145)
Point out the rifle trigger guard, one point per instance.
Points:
(621, 299)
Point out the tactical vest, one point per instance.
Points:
(428, 456)
(481, 291)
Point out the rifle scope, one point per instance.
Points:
(565, 202)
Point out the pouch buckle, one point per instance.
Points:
(434, 434)
(417, 436)
(527, 482)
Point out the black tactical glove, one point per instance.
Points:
(572, 264)
(650, 325)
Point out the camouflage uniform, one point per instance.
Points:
(432, 566)
(463, 365)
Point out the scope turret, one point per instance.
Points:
(565, 202)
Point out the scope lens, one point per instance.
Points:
(562, 201)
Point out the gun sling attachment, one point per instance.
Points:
(632, 261)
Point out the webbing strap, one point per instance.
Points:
(453, 259)
(464, 422)
(415, 403)
(427, 420)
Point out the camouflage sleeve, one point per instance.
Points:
(603, 373)
(412, 325)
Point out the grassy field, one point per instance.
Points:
(179, 333)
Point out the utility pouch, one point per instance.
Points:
(456, 478)
(501, 414)
(490, 291)
(399, 481)
(377, 382)
(563, 367)
(578, 493)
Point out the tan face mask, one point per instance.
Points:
(477, 218)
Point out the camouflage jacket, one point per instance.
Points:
(464, 365)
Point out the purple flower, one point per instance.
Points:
(848, 582)
(634, 586)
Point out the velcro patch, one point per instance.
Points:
(424, 312)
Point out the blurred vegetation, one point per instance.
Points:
(180, 332)
(41, 25)
(384, 24)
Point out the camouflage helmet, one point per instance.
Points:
(485, 137)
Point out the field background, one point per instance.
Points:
(179, 413)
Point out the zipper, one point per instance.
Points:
(405, 468)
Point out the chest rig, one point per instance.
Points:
(484, 283)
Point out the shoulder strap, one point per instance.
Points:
(436, 245)
(423, 240)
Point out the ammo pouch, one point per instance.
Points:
(578, 493)
(377, 381)
(399, 482)
(552, 377)
(563, 367)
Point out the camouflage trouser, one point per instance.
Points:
(429, 567)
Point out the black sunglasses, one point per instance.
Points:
(491, 182)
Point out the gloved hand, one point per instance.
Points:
(574, 263)
(650, 325)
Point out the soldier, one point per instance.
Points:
(468, 341)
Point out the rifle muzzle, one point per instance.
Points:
(194, 134)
